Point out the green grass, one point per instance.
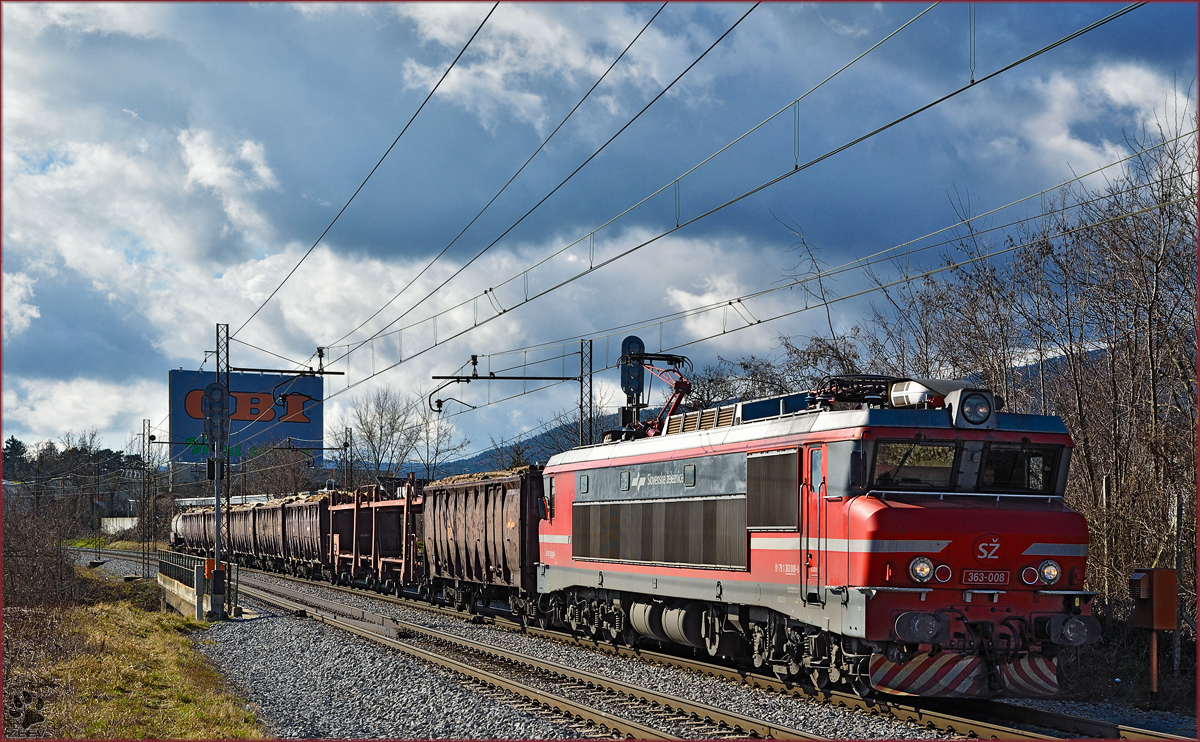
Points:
(119, 669)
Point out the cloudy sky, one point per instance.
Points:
(165, 166)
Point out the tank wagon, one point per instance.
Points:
(881, 534)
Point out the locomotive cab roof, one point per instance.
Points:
(868, 400)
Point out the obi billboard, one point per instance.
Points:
(267, 410)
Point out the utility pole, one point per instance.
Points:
(349, 460)
(584, 378)
(143, 500)
(96, 496)
(223, 378)
(587, 434)
(215, 404)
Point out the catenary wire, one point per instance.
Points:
(685, 174)
(864, 292)
(755, 128)
(565, 180)
(510, 180)
(880, 287)
(866, 261)
(694, 168)
(1076, 34)
(364, 182)
(736, 199)
(268, 352)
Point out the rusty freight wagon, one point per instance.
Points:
(241, 533)
(268, 530)
(374, 536)
(194, 528)
(481, 534)
(303, 528)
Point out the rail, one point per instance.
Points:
(706, 720)
(924, 712)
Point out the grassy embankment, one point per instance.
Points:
(115, 667)
(121, 545)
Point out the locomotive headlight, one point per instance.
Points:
(976, 408)
(921, 569)
(1049, 571)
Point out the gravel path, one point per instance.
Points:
(114, 565)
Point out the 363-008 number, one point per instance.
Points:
(985, 577)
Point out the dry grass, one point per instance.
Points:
(113, 670)
(137, 546)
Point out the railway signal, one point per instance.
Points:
(215, 406)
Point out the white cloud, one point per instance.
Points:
(852, 30)
(18, 313)
(212, 166)
(44, 408)
(524, 49)
(1066, 103)
(1150, 96)
(1065, 125)
(133, 19)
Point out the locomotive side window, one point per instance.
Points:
(772, 489)
(689, 475)
(550, 500)
(583, 484)
(1020, 468)
(914, 465)
(624, 481)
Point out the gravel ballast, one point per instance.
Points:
(295, 671)
(308, 680)
(811, 716)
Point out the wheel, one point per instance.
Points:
(760, 650)
(862, 686)
(711, 629)
(819, 677)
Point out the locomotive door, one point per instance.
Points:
(814, 525)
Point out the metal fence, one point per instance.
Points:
(179, 567)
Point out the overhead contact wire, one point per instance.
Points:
(1111, 17)
(565, 180)
(698, 165)
(510, 180)
(364, 182)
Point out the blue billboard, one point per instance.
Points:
(268, 410)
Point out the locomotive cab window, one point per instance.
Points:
(550, 499)
(689, 475)
(914, 465)
(1018, 468)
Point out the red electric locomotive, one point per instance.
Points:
(901, 535)
(883, 534)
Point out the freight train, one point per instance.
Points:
(878, 534)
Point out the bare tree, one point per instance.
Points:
(511, 455)
(387, 428)
(437, 441)
(280, 471)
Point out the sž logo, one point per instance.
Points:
(987, 548)
(254, 406)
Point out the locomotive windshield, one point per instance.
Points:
(980, 467)
(914, 465)
(1021, 468)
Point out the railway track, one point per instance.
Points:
(975, 718)
(582, 695)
